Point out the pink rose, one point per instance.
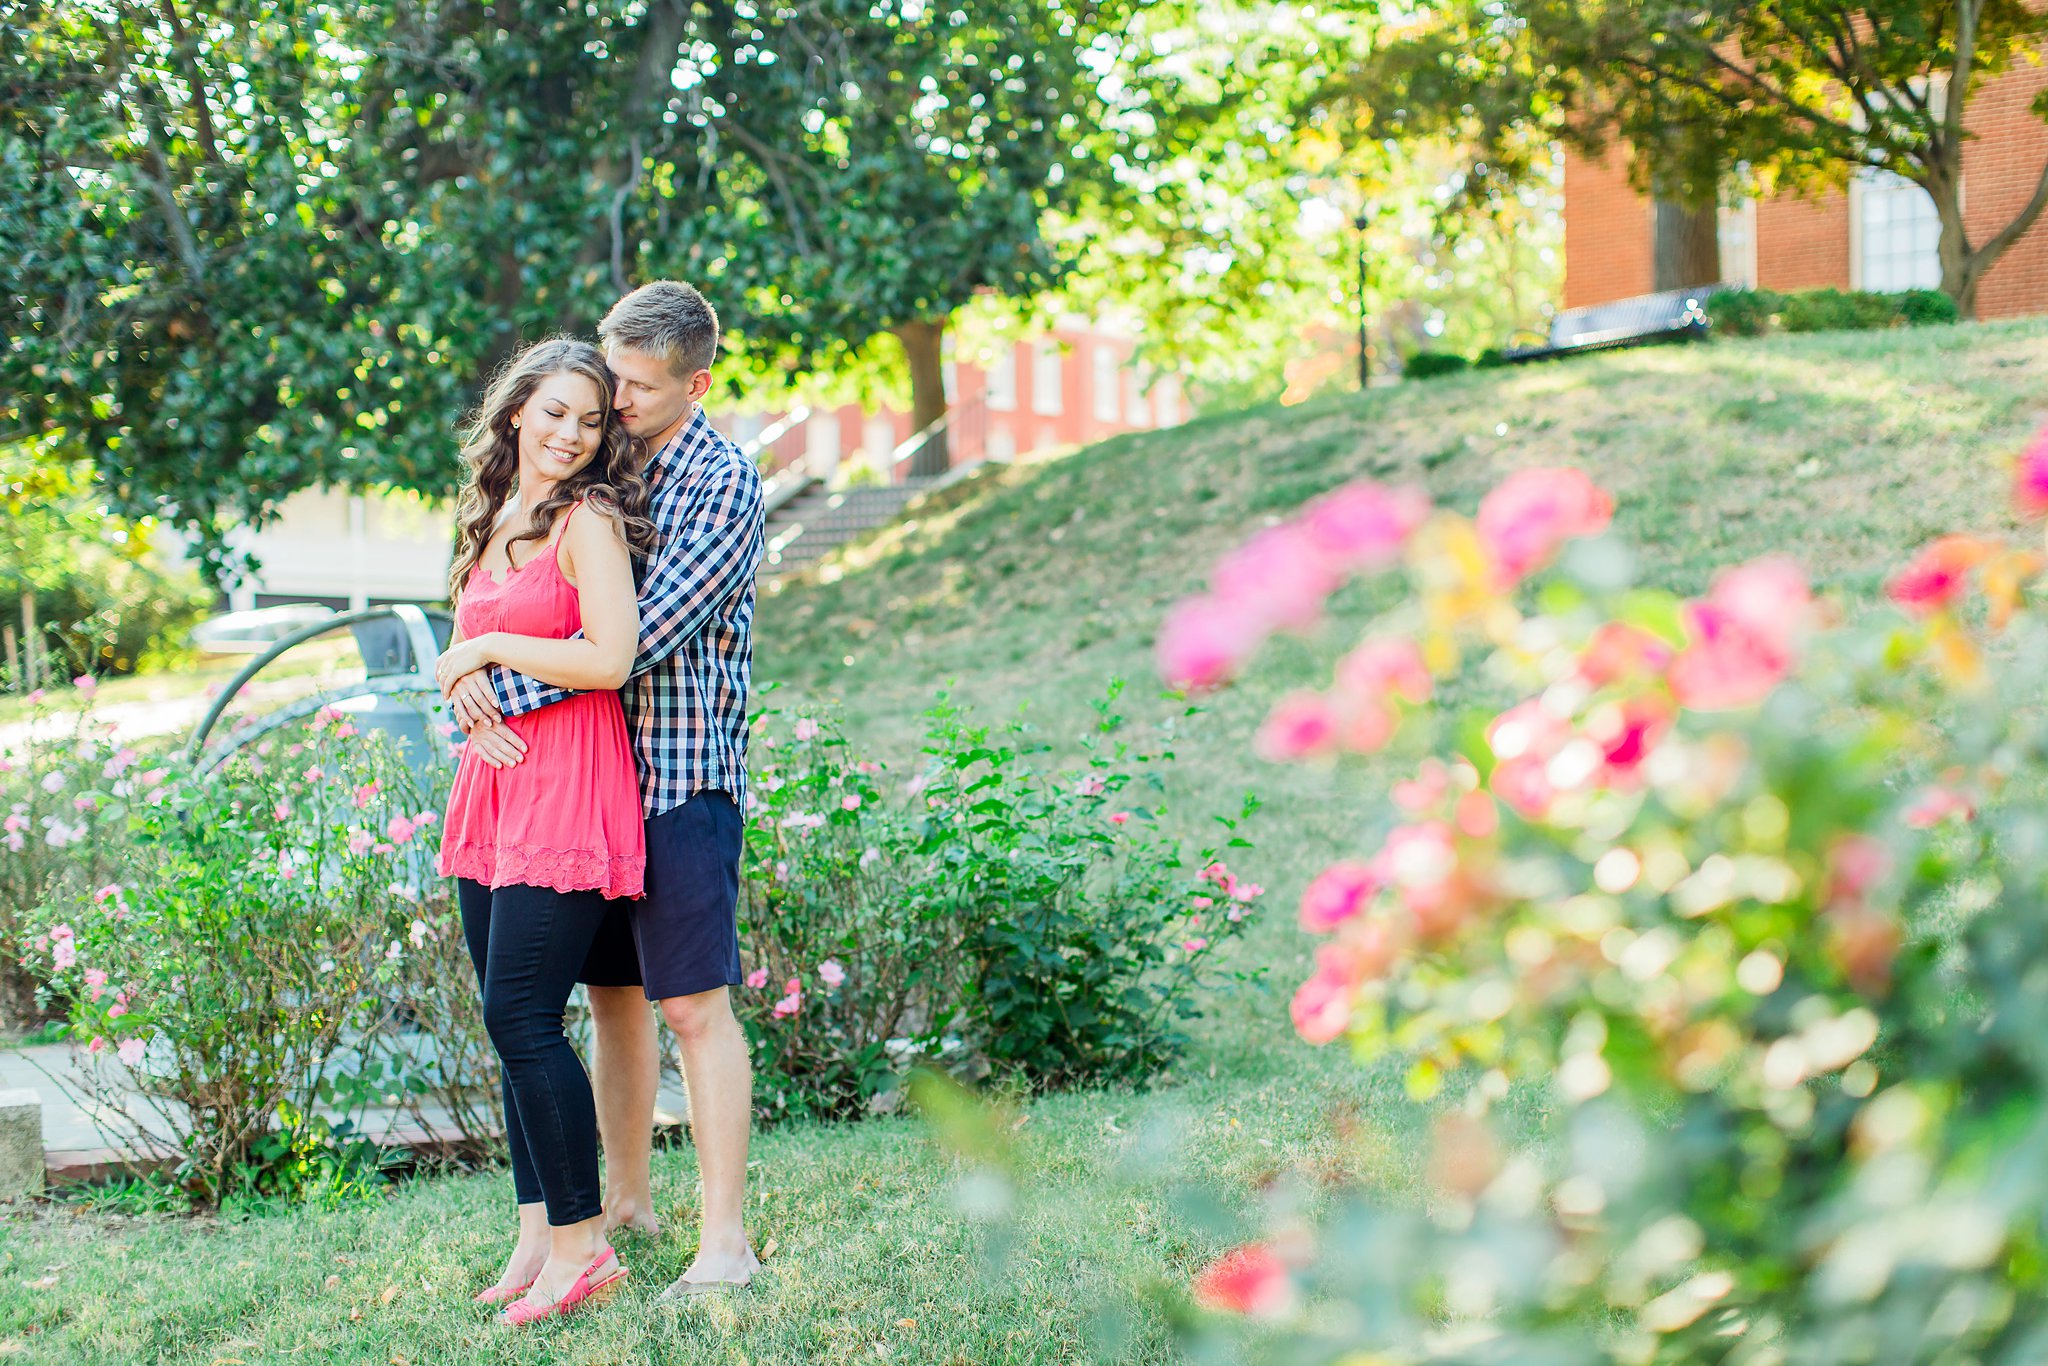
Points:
(758, 978)
(1203, 903)
(1119, 817)
(97, 1046)
(1195, 945)
(1089, 786)
(1388, 666)
(424, 819)
(1742, 639)
(1365, 525)
(281, 812)
(1936, 804)
(1301, 724)
(1938, 576)
(398, 830)
(1277, 579)
(1246, 1280)
(787, 1006)
(830, 973)
(363, 794)
(131, 1052)
(86, 684)
(96, 982)
(1524, 521)
(359, 841)
(850, 802)
(1203, 641)
(1340, 892)
(2030, 479)
(1321, 1008)
(806, 728)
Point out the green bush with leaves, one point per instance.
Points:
(270, 955)
(1756, 312)
(987, 914)
(1429, 364)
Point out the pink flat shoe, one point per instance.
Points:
(498, 1294)
(585, 1288)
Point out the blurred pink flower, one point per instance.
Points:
(1367, 726)
(1524, 784)
(315, 774)
(282, 811)
(398, 830)
(1936, 804)
(758, 978)
(1856, 865)
(1321, 1009)
(2030, 479)
(1203, 641)
(86, 684)
(131, 1052)
(64, 953)
(1619, 651)
(1338, 893)
(1300, 725)
(1420, 862)
(36, 696)
(1388, 665)
(1476, 816)
(1418, 794)
(359, 841)
(1202, 903)
(1246, 1280)
(1529, 515)
(850, 802)
(120, 763)
(1195, 945)
(97, 1046)
(806, 728)
(1938, 576)
(1743, 637)
(1626, 733)
(53, 782)
(1278, 579)
(96, 981)
(830, 973)
(85, 804)
(1089, 786)
(425, 818)
(104, 894)
(788, 1005)
(1365, 525)
(364, 793)
(345, 730)
(1119, 817)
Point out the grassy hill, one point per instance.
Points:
(1029, 588)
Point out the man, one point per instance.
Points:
(686, 705)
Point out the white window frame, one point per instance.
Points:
(999, 381)
(1048, 378)
(1862, 188)
(1107, 376)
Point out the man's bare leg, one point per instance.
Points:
(721, 1083)
(624, 1075)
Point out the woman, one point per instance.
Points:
(551, 512)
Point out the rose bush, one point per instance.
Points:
(65, 787)
(987, 914)
(269, 954)
(1753, 889)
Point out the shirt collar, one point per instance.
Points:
(675, 453)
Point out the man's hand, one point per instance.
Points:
(499, 746)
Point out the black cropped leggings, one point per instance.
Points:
(527, 944)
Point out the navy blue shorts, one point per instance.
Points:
(683, 936)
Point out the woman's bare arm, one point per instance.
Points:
(593, 556)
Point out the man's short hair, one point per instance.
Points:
(668, 319)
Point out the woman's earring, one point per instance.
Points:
(515, 424)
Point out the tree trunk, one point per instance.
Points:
(1687, 246)
(922, 353)
(1961, 268)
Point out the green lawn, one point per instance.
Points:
(1033, 586)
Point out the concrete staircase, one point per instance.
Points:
(815, 520)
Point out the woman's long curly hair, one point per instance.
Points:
(613, 481)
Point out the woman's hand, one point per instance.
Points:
(463, 657)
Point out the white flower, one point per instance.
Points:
(418, 933)
(53, 782)
(395, 952)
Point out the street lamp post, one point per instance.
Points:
(1364, 361)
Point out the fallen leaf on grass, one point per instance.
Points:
(906, 1324)
(767, 1249)
(45, 1283)
(333, 1281)
(355, 1311)
(390, 1294)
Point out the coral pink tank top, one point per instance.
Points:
(567, 816)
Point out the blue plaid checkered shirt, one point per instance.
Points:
(686, 697)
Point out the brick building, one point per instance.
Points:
(1879, 234)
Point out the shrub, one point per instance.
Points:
(270, 955)
(1739, 897)
(1426, 364)
(1744, 312)
(64, 785)
(983, 914)
(105, 602)
(1755, 312)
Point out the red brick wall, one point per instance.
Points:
(1803, 243)
(2001, 166)
(1606, 231)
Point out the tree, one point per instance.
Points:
(1805, 93)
